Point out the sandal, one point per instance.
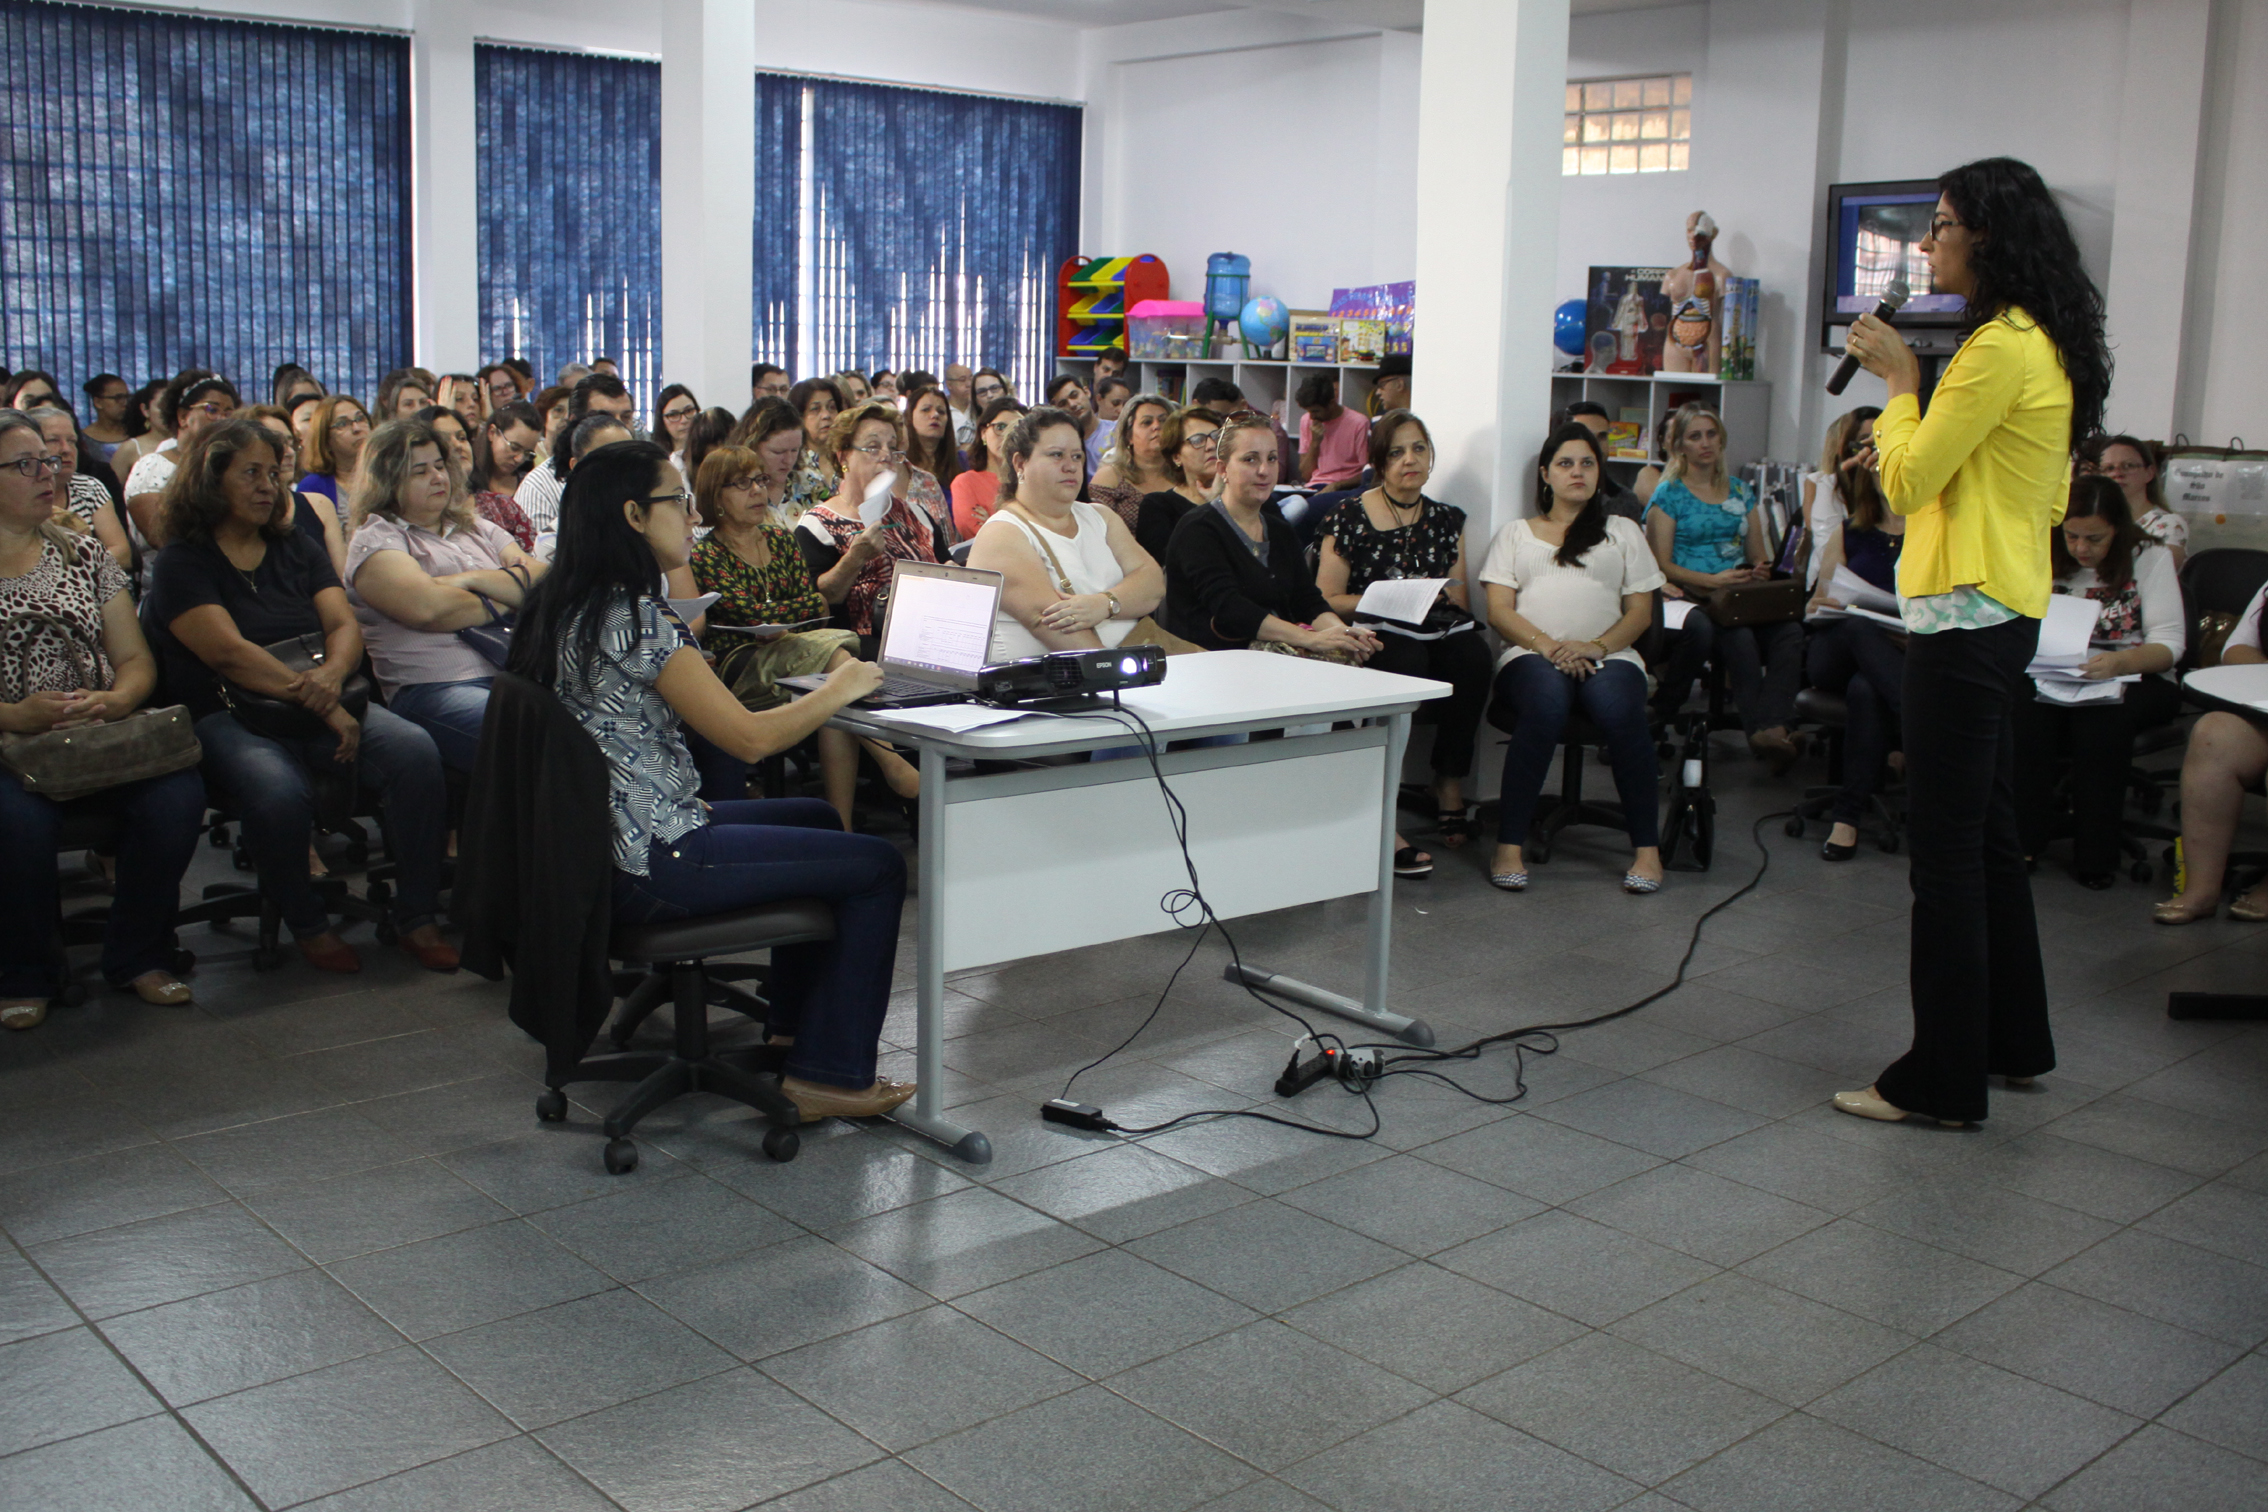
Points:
(1509, 881)
(1409, 861)
(23, 1013)
(1453, 827)
(1639, 886)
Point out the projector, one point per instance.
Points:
(1063, 676)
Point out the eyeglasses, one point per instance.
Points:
(1940, 224)
(2120, 469)
(745, 484)
(989, 393)
(32, 467)
(886, 453)
(687, 413)
(681, 498)
(1203, 441)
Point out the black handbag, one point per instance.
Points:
(494, 639)
(281, 719)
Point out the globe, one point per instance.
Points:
(1265, 322)
(1567, 328)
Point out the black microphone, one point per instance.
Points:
(1893, 300)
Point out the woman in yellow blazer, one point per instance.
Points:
(1982, 480)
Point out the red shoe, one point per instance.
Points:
(435, 955)
(327, 952)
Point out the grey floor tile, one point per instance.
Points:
(460, 1281)
(458, 1116)
(411, 1062)
(713, 1445)
(782, 1297)
(1231, 1391)
(1748, 1079)
(1105, 1312)
(2174, 1283)
(2230, 1410)
(1708, 1217)
(561, 1362)
(1785, 1346)
(1310, 1257)
(372, 1210)
(28, 1305)
(2074, 1175)
(1411, 1204)
(2159, 1470)
(919, 1377)
(887, 1483)
(1629, 1046)
(1123, 1193)
(1268, 1158)
(1439, 1329)
(1626, 1408)
(1883, 1276)
(1089, 1449)
(99, 1192)
(1265, 1496)
(1539, 1159)
(162, 1260)
(2162, 1135)
(1801, 1464)
(664, 1226)
(1812, 1168)
(1988, 1223)
(2092, 1349)
(1585, 1270)
(152, 1462)
(225, 1341)
(63, 1384)
(516, 1475)
(1657, 1119)
(1447, 1458)
(286, 1151)
(838, 1178)
(963, 1241)
(1976, 1419)
(2224, 1218)
(1021, 1140)
(314, 1434)
(553, 1168)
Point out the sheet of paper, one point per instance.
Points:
(1891, 619)
(692, 609)
(956, 718)
(876, 504)
(2064, 691)
(1674, 612)
(1854, 592)
(2065, 631)
(1406, 599)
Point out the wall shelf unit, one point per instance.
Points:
(1745, 404)
(1264, 384)
(1092, 296)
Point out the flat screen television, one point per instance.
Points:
(1874, 234)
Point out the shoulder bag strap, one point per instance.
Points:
(1038, 538)
(89, 662)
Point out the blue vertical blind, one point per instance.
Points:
(929, 226)
(779, 178)
(569, 151)
(191, 192)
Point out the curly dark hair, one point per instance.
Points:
(2023, 256)
(194, 502)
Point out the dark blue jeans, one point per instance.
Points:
(1614, 699)
(157, 836)
(267, 785)
(1858, 659)
(831, 995)
(451, 713)
(1763, 667)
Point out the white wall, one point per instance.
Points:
(2224, 388)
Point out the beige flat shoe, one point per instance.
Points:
(161, 989)
(816, 1101)
(23, 1013)
(1869, 1104)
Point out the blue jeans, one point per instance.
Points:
(157, 836)
(1858, 659)
(831, 995)
(1614, 699)
(1763, 666)
(268, 785)
(451, 713)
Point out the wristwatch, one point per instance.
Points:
(1113, 604)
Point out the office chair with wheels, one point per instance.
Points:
(1885, 819)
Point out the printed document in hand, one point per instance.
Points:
(692, 609)
(2064, 634)
(2071, 690)
(1674, 612)
(1406, 599)
(876, 504)
(1861, 598)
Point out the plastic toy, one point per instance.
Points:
(1228, 279)
(1265, 322)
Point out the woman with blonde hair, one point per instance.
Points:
(1135, 464)
(333, 455)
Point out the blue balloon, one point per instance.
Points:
(1567, 328)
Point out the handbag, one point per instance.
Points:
(1285, 648)
(1737, 604)
(65, 764)
(280, 718)
(494, 639)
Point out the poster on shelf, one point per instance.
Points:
(1625, 320)
(1314, 336)
(1393, 306)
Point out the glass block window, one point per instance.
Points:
(1641, 125)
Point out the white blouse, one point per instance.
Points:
(1084, 559)
(1573, 603)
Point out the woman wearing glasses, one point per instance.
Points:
(849, 558)
(674, 414)
(1193, 465)
(2133, 465)
(335, 439)
(504, 449)
(976, 487)
(196, 407)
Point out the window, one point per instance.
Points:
(193, 192)
(1640, 125)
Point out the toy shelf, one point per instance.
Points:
(1744, 403)
(1092, 296)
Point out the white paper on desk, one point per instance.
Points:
(692, 609)
(876, 504)
(2064, 633)
(2069, 691)
(955, 718)
(1674, 612)
(1406, 599)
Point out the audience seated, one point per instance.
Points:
(1068, 392)
(81, 503)
(1334, 441)
(1571, 590)
(194, 408)
(157, 416)
(930, 448)
(2134, 466)
(816, 402)
(675, 410)
(1394, 531)
(882, 384)
(773, 432)
(2227, 758)
(978, 485)
(311, 514)
(336, 435)
(2101, 553)
(852, 385)
(422, 566)
(557, 406)
(499, 386)
(504, 449)
(455, 435)
(594, 393)
(1847, 453)
(629, 670)
(108, 400)
(1703, 525)
(461, 395)
(402, 393)
(850, 559)
(1616, 499)
(1135, 464)
(1193, 465)
(711, 428)
(1111, 392)
(234, 580)
(1861, 660)
(97, 670)
(767, 380)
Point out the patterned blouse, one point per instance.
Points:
(1425, 549)
(70, 584)
(652, 786)
(503, 511)
(779, 593)
(1709, 537)
(914, 536)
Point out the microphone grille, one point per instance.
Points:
(1897, 294)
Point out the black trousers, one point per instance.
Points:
(1459, 659)
(1858, 659)
(2098, 740)
(1980, 996)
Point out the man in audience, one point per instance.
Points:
(605, 365)
(1333, 440)
(572, 374)
(203, 404)
(767, 380)
(1219, 395)
(1110, 364)
(958, 380)
(1617, 499)
(539, 492)
(1390, 388)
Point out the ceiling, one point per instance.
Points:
(1393, 15)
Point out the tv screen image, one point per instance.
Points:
(1874, 236)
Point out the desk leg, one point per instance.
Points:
(926, 1116)
(1372, 1010)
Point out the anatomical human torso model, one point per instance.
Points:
(1696, 297)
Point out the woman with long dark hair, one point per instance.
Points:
(1981, 482)
(599, 636)
(1862, 659)
(504, 450)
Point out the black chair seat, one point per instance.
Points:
(795, 921)
(1818, 706)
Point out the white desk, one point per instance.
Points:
(2239, 689)
(1023, 863)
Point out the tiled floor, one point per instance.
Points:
(306, 1243)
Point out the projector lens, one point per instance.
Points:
(1130, 665)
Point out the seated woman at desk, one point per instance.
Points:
(2100, 553)
(596, 634)
(1193, 465)
(2227, 758)
(1072, 576)
(1864, 660)
(750, 561)
(1571, 590)
(850, 559)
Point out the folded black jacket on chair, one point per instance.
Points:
(535, 869)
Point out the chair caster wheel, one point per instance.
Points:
(621, 1156)
(1793, 829)
(551, 1106)
(2140, 871)
(782, 1144)
(217, 837)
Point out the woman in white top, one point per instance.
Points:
(2101, 554)
(1072, 576)
(2132, 464)
(2227, 758)
(1571, 590)
(1827, 493)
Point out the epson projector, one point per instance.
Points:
(1070, 675)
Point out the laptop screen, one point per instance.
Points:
(940, 621)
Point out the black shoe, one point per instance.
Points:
(1408, 864)
(1830, 851)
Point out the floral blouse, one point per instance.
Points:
(503, 511)
(1426, 549)
(779, 593)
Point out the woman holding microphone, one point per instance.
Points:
(1980, 480)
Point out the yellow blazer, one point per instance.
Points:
(1986, 474)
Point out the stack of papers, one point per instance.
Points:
(1860, 600)
(1409, 600)
(2064, 650)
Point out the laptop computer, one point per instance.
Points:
(936, 636)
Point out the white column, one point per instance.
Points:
(708, 196)
(2147, 293)
(445, 227)
(1491, 91)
